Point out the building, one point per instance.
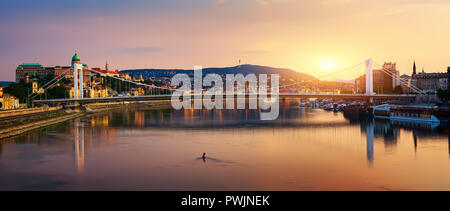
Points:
(8, 101)
(384, 80)
(443, 83)
(406, 81)
(106, 71)
(34, 85)
(431, 82)
(413, 80)
(360, 84)
(391, 68)
(25, 72)
(99, 92)
(448, 77)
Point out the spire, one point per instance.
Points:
(423, 70)
(414, 68)
(107, 65)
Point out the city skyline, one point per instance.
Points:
(313, 37)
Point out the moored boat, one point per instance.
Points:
(406, 113)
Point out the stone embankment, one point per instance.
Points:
(22, 125)
(16, 122)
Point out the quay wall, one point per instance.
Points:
(19, 129)
(68, 114)
(17, 112)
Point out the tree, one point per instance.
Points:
(58, 91)
(19, 90)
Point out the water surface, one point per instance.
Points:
(305, 149)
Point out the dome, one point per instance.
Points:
(75, 58)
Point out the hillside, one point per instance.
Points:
(244, 69)
(5, 83)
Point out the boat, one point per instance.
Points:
(405, 113)
(305, 105)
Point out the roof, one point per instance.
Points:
(75, 58)
(405, 76)
(431, 75)
(30, 64)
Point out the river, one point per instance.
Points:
(305, 149)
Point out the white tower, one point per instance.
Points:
(78, 80)
(81, 80)
(369, 77)
(75, 82)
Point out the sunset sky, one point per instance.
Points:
(310, 36)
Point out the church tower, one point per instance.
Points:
(414, 68)
(106, 65)
(34, 84)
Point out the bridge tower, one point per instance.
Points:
(369, 77)
(78, 80)
(77, 77)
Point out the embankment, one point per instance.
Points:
(22, 125)
(18, 122)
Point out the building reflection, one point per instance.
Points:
(139, 118)
(100, 121)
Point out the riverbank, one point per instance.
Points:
(44, 121)
(36, 118)
(148, 105)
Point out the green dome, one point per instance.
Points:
(75, 58)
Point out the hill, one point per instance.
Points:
(244, 69)
(5, 83)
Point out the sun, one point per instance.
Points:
(328, 64)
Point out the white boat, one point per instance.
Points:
(405, 113)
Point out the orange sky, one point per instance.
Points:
(301, 35)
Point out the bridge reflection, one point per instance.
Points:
(79, 146)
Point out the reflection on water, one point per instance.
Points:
(79, 146)
(305, 149)
(370, 130)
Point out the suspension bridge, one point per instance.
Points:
(79, 99)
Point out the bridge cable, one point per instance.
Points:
(327, 75)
